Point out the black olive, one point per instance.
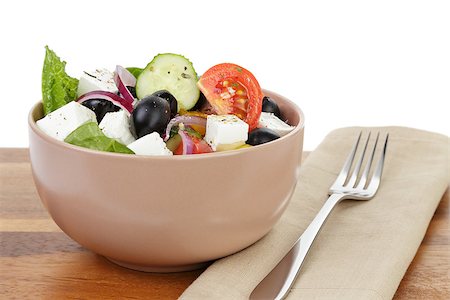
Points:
(169, 98)
(269, 105)
(203, 105)
(150, 114)
(100, 107)
(260, 136)
(200, 102)
(132, 91)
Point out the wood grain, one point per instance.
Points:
(38, 261)
(428, 275)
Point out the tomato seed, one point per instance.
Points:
(241, 93)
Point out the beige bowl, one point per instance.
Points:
(166, 214)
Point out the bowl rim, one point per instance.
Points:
(36, 130)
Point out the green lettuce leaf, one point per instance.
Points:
(135, 71)
(89, 135)
(58, 88)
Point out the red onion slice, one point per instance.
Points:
(123, 78)
(186, 120)
(115, 99)
(188, 143)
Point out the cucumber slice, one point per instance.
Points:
(171, 72)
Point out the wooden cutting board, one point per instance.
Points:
(37, 260)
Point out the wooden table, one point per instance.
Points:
(37, 260)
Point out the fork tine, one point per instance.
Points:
(351, 182)
(363, 180)
(376, 177)
(340, 180)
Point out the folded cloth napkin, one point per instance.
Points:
(365, 247)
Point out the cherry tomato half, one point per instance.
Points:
(231, 89)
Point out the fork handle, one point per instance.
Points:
(277, 283)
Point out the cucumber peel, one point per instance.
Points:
(171, 72)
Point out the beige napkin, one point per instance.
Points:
(365, 247)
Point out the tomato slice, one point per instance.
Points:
(231, 89)
(199, 146)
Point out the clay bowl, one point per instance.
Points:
(166, 214)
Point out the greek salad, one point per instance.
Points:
(162, 109)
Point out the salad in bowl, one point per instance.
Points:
(162, 109)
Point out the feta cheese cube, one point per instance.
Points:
(269, 120)
(61, 122)
(225, 130)
(116, 125)
(150, 144)
(98, 80)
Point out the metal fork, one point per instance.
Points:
(277, 284)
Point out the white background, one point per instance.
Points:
(344, 62)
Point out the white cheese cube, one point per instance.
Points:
(116, 125)
(269, 120)
(150, 144)
(98, 80)
(225, 130)
(61, 122)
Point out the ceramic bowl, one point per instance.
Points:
(166, 214)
